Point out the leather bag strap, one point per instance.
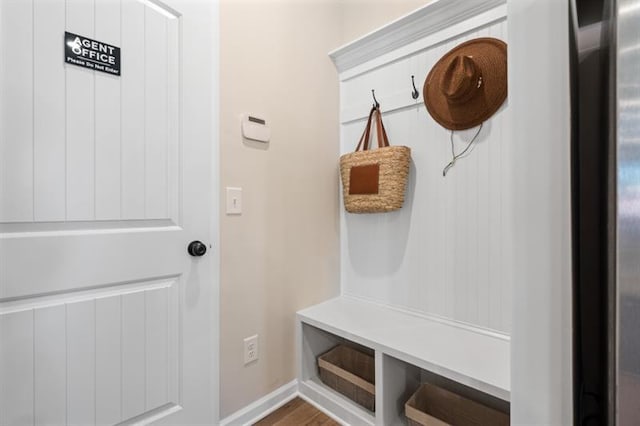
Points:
(383, 140)
(365, 135)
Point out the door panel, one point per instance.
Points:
(49, 113)
(107, 118)
(156, 108)
(104, 317)
(80, 124)
(16, 119)
(102, 356)
(81, 145)
(81, 367)
(73, 261)
(133, 355)
(16, 368)
(133, 107)
(50, 351)
(108, 332)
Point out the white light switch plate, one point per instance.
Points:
(234, 200)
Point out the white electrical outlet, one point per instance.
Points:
(250, 349)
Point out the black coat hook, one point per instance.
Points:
(415, 92)
(376, 104)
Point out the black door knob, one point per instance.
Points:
(197, 248)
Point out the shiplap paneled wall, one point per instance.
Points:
(76, 145)
(442, 254)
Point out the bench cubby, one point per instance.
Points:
(409, 350)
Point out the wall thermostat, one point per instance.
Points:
(255, 128)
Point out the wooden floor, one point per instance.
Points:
(297, 412)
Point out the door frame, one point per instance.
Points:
(215, 213)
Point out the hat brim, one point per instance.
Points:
(490, 55)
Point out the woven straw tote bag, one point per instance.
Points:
(374, 180)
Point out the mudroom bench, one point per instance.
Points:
(409, 349)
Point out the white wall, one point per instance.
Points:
(541, 228)
(282, 254)
(360, 17)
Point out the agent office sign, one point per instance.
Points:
(92, 54)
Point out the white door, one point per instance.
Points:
(104, 181)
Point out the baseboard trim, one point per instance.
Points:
(262, 407)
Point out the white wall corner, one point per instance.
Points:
(263, 406)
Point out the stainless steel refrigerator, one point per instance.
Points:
(605, 75)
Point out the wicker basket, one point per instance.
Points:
(433, 406)
(379, 175)
(350, 372)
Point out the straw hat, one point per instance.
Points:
(468, 84)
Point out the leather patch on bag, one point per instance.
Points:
(364, 179)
